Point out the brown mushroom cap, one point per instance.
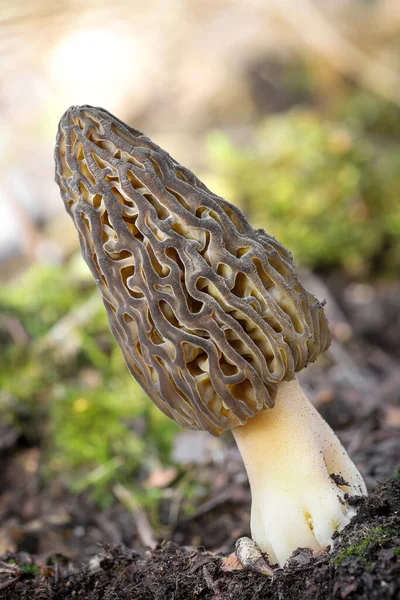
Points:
(209, 312)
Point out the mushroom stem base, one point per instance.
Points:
(290, 453)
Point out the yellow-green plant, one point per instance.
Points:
(64, 381)
(328, 189)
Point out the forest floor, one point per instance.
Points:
(55, 544)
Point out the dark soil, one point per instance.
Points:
(364, 563)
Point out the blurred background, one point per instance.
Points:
(291, 110)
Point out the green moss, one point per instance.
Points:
(366, 541)
(29, 569)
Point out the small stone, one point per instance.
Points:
(250, 556)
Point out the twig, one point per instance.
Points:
(177, 498)
(217, 500)
(10, 569)
(75, 319)
(143, 526)
(8, 584)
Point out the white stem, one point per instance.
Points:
(290, 452)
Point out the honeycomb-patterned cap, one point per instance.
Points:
(208, 312)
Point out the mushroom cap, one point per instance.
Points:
(208, 312)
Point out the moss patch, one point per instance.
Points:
(366, 541)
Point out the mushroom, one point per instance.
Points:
(212, 320)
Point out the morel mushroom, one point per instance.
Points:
(212, 321)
